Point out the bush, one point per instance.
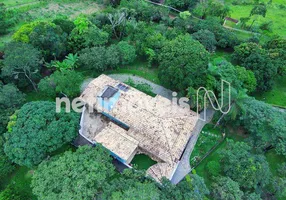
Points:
(127, 52)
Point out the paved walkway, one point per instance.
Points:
(184, 166)
(157, 89)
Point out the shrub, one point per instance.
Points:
(127, 52)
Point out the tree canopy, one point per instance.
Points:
(38, 130)
(249, 170)
(10, 100)
(74, 175)
(225, 188)
(21, 63)
(183, 63)
(256, 120)
(65, 82)
(253, 57)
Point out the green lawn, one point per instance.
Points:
(208, 138)
(277, 96)
(142, 161)
(274, 13)
(10, 3)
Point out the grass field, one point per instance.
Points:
(11, 3)
(275, 13)
(277, 96)
(31, 10)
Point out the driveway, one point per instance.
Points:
(184, 166)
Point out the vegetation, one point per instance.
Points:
(88, 168)
(48, 48)
(41, 134)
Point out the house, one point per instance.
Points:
(129, 122)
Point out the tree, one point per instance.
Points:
(206, 38)
(178, 3)
(224, 37)
(249, 170)
(38, 131)
(66, 25)
(236, 107)
(6, 166)
(95, 37)
(10, 100)
(225, 188)
(74, 175)
(277, 51)
(127, 52)
(22, 62)
(251, 196)
(50, 39)
(64, 82)
(218, 9)
(93, 58)
(183, 63)
(256, 120)
(118, 22)
(112, 56)
(4, 23)
(247, 79)
(23, 33)
(192, 187)
(255, 58)
(259, 9)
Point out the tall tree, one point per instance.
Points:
(50, 39)
(259, 9)
(225, 188)
(183, 63)
(37, 131)
(265, 124)
(74, 175)
(206, 38)
(251, 171)
(66, 82)
(4, 23)
(21, 62)
(192, 187)
(10, 100)
(253, 57)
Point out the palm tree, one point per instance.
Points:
(236, 106)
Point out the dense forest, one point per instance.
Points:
(48, 48)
